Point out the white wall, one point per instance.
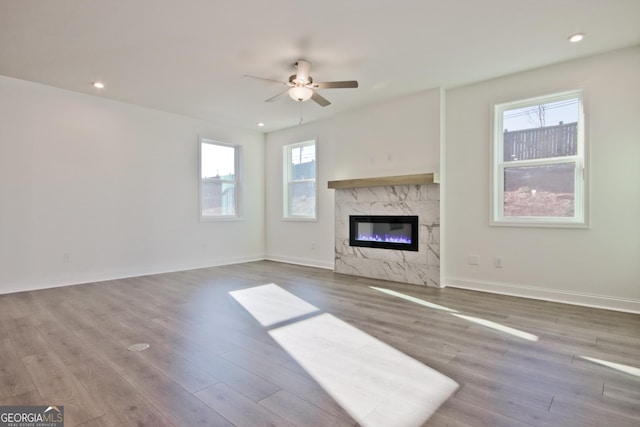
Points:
(397, 137)
(114, 186)
(598, 266)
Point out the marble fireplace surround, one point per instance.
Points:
(394, 195)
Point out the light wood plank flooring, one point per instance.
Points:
(516, 362)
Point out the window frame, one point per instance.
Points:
(287, 181)
(236, 181)
(499, 165)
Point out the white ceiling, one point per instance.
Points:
(189, 56)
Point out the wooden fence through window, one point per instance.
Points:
(540, 143)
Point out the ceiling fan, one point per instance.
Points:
(301, 85)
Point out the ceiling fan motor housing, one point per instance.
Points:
(293, 80)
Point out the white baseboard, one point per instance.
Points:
(575, 298)
(300, 261)
(33, 285)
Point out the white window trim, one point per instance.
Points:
(238, 186)
(286, 173)
(580, 218)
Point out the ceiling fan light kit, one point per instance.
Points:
(300, 93)
(301, 85)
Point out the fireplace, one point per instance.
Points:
(398, 232)
(417, 195)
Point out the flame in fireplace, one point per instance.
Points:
(387, 238)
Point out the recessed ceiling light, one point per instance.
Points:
(575, 38)
(260, 124)
(98, 85)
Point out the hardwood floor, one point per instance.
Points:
(318, 349)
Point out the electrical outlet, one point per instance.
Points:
(474, 259)
(499, 261)
(66, 257)
(313, 246)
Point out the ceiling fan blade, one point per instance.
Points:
(273, 98)
(269, 80)
(320, 100)
(303, 70)
(336, 85)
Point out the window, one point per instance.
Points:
(300, 180)
(539, 161)
(219, 164)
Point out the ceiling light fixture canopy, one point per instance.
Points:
(300, 93)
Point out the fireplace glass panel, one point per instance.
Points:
(386, 232)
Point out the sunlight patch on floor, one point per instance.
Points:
(270, 304)
(631, 370)
(499, 327)
(375, 383)
(414, 299)
(486, 323)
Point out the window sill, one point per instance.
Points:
(300, 219)
(222, 219)
(527, 223)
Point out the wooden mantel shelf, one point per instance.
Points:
(383, 181)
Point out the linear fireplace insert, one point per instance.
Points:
(384, 231)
